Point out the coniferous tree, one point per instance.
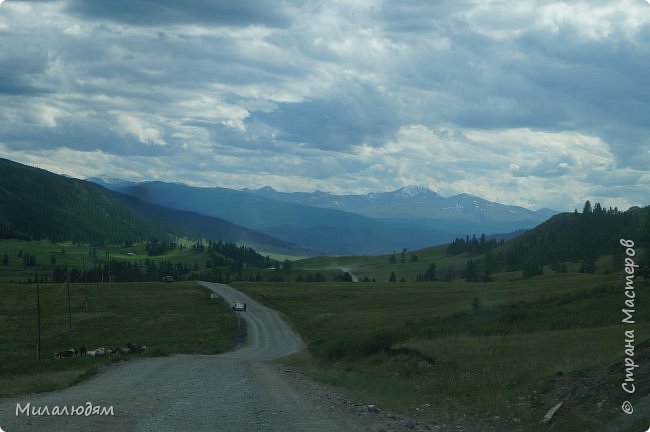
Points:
(598, 210)
(430, 274)
(532, 269)
(471, 271)
(588, 265)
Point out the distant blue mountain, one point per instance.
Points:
(413, 203)
(323, 230)
(411, 217)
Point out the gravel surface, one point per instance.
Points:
(243, 390)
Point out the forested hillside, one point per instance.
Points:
(578, 236)
(36, 204)
(568, 237)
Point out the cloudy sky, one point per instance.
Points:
(535, 103)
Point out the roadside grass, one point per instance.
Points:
(180, 317)
(326, 309)
(426, 350)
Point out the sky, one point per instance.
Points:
(531, 103)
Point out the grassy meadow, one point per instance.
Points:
(408, 264)
(497, 354)
(494, 355)
(168, 318)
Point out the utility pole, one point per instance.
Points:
(38, 322)
(69, 307)
(108, 264)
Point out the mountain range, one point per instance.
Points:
(37, 204)
(413, 203)
(410, 217)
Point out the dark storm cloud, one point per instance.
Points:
(15, 84)
(360, 115)
(88, 135)
(161, 12)
(21, 66)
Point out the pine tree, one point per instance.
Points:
(392, 277)
(598, 210)
(430, 274)
(471, 272)
(588, 265)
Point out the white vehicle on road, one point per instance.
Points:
(239, 307)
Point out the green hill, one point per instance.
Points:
(577, 237)
(37, 204)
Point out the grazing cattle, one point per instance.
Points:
(98, 352)
(103, 351)
(136, 348)
(67, 353)
(83, 350)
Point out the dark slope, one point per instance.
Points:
(577, 236)
(37, 204)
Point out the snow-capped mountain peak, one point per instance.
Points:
(413, 191)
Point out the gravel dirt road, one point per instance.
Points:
(242, 390)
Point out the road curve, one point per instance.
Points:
(268, 336)
(236, 391)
